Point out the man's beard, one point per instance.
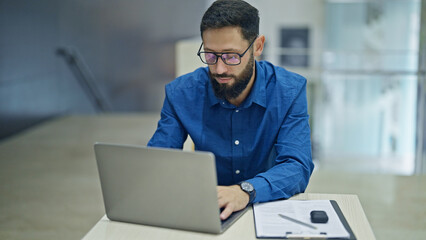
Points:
(223, 91)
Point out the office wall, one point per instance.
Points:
(127, 47)
(293, 14)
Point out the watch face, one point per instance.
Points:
(247, 186)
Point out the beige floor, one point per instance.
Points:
(50, 190)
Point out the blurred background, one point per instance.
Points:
(364, 61)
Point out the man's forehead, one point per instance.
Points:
(223, 39)
(234, 31)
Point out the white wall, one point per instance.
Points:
(275, 14)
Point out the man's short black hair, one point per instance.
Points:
(236, 13)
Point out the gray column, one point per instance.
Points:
(421, 97)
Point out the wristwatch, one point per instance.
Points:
(249, 189)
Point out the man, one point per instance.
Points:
(252, 115)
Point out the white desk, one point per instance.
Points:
(242, 229)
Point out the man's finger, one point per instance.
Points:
(226, 212)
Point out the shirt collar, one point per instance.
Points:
(257, 94)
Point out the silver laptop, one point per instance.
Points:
(160, 187)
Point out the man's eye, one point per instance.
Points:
(210, 57)
(232, 58)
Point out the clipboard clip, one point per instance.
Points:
(306, 235)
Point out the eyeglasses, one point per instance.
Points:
(211, 58)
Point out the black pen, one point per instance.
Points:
(297, 221)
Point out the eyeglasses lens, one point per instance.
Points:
(232, 59)
(210, 58)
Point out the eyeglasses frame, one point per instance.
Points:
(219, 54)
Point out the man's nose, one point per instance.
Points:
(221, 67)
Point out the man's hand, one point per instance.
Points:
(232, 199)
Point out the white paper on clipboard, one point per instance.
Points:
(269, 224)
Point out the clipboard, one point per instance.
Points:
(343, 219)
(289, 235)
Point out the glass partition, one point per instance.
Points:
(366, 112)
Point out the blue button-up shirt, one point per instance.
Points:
(265, 140)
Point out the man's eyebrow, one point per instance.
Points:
(223, 50)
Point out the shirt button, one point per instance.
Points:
(237, 142)
(237, 171)
(237, 110)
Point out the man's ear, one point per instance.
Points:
(258, 45)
